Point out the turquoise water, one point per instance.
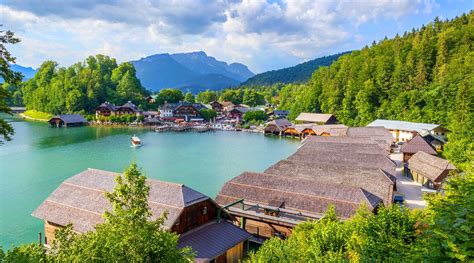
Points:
(39, 158)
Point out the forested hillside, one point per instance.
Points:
(426, 75)
(82, 86)
(296, 74)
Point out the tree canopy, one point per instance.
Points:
(83, 86)
(8, 76)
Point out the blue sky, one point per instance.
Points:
(263, 34)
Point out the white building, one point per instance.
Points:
(404, 131)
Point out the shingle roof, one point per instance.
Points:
(130, 105)
(80, 200)
(298, 193)
(403, 125)
(371, 148)
(429, 166)
(108, 105)
(418, 144)
(379, 134)
(314, 117)
(281, 124)
(213, 239)
(70, 118)
(373, 180)
(347, 159)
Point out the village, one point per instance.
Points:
(385, 163)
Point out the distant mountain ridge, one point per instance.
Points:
(195, 71)
(296, 74)
(28, 72)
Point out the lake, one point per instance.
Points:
(39, 158)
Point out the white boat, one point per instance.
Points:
(136, 141)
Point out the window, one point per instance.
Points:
(204, 210)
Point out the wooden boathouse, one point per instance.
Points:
(80, 201)
(67, 120)
(343, 172)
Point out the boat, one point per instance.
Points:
(136, 141)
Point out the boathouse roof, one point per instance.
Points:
(378, 134)
(417, 144)
(80, 200)
(315, 117)
(280, 124)
(374, 180)
(431, 167)
(296, 193)
(70, 118)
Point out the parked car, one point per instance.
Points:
(399, 199)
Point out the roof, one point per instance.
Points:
(403, 125)
(418, 144)
(431, 167)
(280, 112)
(348, 158)
(70, 118)
(80, 200)
(281, 124)
(374, 180)
(331, 129)
(297, 193)
(227, 103)
(314, 117)
(213, 239)
(108, 105)
(379, 134)
(328, 146)
(130, 105)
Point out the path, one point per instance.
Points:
(406, 186)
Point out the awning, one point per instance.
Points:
(213, 240)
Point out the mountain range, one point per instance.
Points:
(194, 72)
(296, 74)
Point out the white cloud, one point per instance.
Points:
(260, 34)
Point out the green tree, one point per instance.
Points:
(189, 97)
(253, 98)
(127, 235)
(8, 76)
(206, 97)
(232, 95)
(208, 114)
(169, 95)
(257, 115)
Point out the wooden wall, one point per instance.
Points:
(49, 232)
(235, 254)
(193, 216)
(265, 230)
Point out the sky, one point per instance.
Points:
(262, 34)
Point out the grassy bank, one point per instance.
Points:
(36, 115)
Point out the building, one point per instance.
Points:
(105, 109)
(434, 140)
(276, 127)
(188, 111)
(403, 131)
(415, 145)
(343, 172)
(67, 120)
(80, 201)
(185, 111)
(227, 105)
(280, 114)
(128, 108)
(237, 113)
(429, 170)
(316, 118)
(215, 105)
